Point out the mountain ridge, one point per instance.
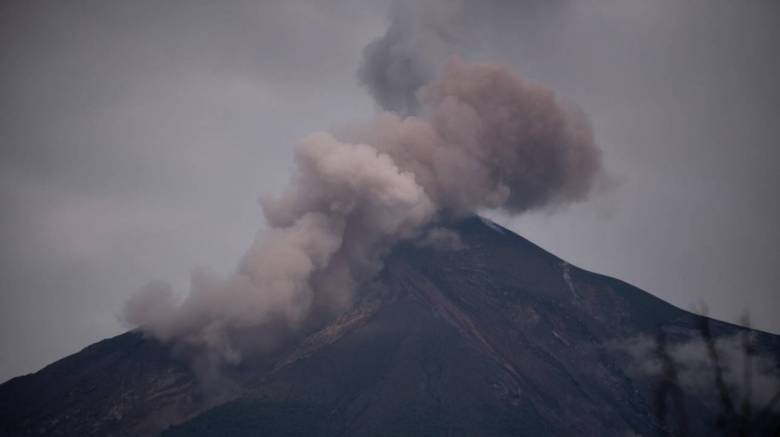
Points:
(497, 337)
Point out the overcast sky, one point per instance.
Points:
(137, 136)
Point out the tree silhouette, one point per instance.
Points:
(737, 415)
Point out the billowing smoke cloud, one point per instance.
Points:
(423, 34)
(420, 37)
(487, 139)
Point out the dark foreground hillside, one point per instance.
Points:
(494, 338)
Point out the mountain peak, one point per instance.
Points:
(487, 334)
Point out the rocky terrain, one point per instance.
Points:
(490, 337)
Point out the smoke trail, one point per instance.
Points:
(487, 139)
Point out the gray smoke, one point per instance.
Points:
(441, 239)
(487, 139)
(419, 38)
(423, 34)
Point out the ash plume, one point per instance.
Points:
(485, 139)
(423, 34)
(420, 36)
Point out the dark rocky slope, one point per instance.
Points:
(497, 338)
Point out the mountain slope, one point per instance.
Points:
(495, 338)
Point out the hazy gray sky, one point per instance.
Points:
(137, 136)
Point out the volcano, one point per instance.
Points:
(493, 337)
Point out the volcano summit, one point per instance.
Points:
(489, 335)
